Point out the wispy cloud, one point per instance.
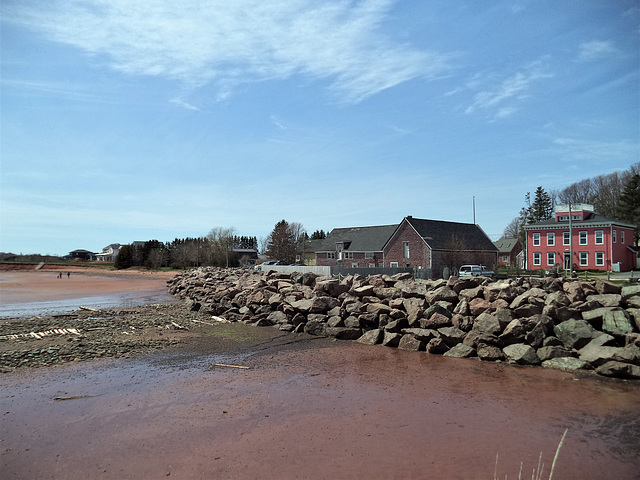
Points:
(181, 103)
(582, 149)
(229, 43)
(503, 100)
(595, 49)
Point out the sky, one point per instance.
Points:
(126, 120)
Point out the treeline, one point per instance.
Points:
(216, 250)
(615, 195)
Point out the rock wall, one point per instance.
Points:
(551, 322)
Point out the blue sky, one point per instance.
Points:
(125, 120)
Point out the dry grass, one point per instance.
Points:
(539, 471)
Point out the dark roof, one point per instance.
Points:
(311, 246)
(438, 235)
(593, 218)
(506, 245)
(358, 239)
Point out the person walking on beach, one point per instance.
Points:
(68, 274)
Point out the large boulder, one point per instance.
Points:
(461, 351)
(617, 322)
(606, 300)
(566, 363)
(490, 353)
(547, 353)
(574, 291)
(575, 333)
(371, 337)
(487, 323)
(521, 353)
(451, 335)
(619, 369)
(409, 342)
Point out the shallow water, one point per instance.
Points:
(111, 300)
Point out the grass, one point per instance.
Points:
(537, 472)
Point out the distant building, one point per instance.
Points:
(109, 253)
(82, 255)
(508, 250)
(354, 247)
(579, 238)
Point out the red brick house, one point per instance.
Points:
(508, 250)
(354, 247)
(436, 244)
(579, 238)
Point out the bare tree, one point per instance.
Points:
(221, 246)
(513, 229)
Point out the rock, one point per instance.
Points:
(606, 300)
(617, 322)
(396, 325)
(391, 339)
(451, 335)
(371, 337)
(437, 308)
(489, 353)
(423, 334)
(547, 353)
(343, 333)
(409, 342)
(604, 287)
(566, 363)
(464, 323)
(277, 318)
(575, 333)
(323, 304)
(619, 369)
(478, 305)
(461, 351)
(574, 291)
(521, 354)
(487, 323)
(525, 298)
(444, 293)
(513, 333)
(378, 308)
(469, 294)
(437, 320)
(302, 306)
(314, 327)
(436, 346)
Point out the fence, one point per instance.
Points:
(422, 273)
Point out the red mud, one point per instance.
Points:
(329, 410)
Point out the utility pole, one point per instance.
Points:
(474, 209)
(570, 239)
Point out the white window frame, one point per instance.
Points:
(536, 239)
(583, 235)
(599, 259)
(368, 255)
(599, 237)
(551, 258)
(615, 236)
(405, 246)
(354, 265)
(537, 258)
(566, 238)
(347, 255)
(584, 259)
(393, 265)
(622, 237)
(372, 265)
(331, 255)
(551, 239)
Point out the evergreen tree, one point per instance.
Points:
(541, 208)
(629, 206)
(124, 259)
(282, 243)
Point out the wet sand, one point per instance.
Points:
(26, 293)
(330, 410)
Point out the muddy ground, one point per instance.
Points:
(157, 391)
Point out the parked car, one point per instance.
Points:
(267, 263)
(475, 271)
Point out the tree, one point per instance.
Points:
(541, 208)
(282, 242)
(124, 259)
(221, 243)
(513, 229)
(629, 205)
(318, 235)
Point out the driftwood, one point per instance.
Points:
(229, 366)
(89, 309)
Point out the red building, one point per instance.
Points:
(579, 238)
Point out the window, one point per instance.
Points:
(331, 255)
(563, 218)
(372, 265)
(505, 258)
(566, 238)
(406, 249)
(348, 255)
(298, 258)
(599, 259)
(536, 258)
(599, 234)
(615, 236)
(551, 239)
(584, 259)
(536, 239)
(551, 258)
(393, 265)
(621, 236)
(583, 238)
(368, 254)
(354, 265)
